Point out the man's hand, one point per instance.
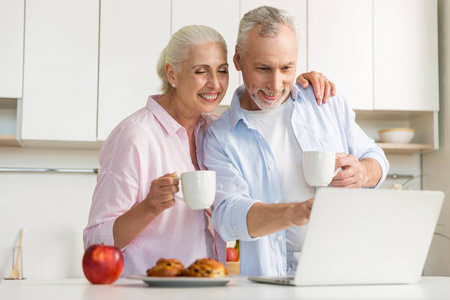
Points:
(264, 219)
(356, 173)
(321, 85)
(302, 212)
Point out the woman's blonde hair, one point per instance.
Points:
(177, 50)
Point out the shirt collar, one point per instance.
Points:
(166, 120)
(236, 111)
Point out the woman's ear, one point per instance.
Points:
(171, 75)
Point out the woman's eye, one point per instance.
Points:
(223, 71)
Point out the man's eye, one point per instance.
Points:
(263, 69)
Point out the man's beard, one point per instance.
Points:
(267, 105)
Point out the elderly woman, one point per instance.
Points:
(133, 205)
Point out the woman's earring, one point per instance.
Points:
(173, 84)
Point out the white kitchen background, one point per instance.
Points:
(70, 70)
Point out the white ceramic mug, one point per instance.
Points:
(199, 189)
(318, 167)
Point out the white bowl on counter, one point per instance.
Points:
(396, 135)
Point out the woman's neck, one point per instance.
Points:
(177, 110)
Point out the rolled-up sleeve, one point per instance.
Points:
(362, 146)
(117, 190)
(232, 201)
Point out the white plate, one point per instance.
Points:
(182, 281)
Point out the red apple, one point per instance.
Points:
(232, 254)
(102, 264)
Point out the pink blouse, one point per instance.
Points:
(143, 147)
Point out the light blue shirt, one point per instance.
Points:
(246, 171)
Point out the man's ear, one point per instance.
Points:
(171, 74)
(237, 60)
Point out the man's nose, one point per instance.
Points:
(275, 81)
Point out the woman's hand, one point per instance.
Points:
(160, 197)
(321, 85)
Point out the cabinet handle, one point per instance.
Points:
(93, 171)
(396, 176)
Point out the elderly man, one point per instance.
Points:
(256, 148)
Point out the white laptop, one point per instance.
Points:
(366, 236)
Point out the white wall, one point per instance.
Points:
(437, 163)
(51, 208)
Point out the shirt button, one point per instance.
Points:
(270, 167)
(260, 136)
(276, 202)
(280, 238)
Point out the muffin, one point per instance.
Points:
(166, 267)
(205, 267)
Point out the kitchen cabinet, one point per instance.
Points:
(340, 46)
(132, 37)
(11, 45)
(83, 75)
(382, 56)
(60, 71)
(405, 59)
(298, 9)
(220, 15)
(405, 55)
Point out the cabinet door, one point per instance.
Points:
(11, 48)
(131, 39)
(60, 70)
(340, 47)
(220, 15)
(406, 55)
(297, 8)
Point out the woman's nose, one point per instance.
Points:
(213, 81)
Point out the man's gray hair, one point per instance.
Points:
(269, 18)
(177, 50)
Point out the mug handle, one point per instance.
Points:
(336, 171)
(175, 195)
(178, 197)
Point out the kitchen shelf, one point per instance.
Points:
(425, 124)
(396, 148)
(8, 140)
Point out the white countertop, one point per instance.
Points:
(237, 288)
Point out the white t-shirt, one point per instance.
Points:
(275, 125)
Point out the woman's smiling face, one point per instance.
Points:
(203, 78)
